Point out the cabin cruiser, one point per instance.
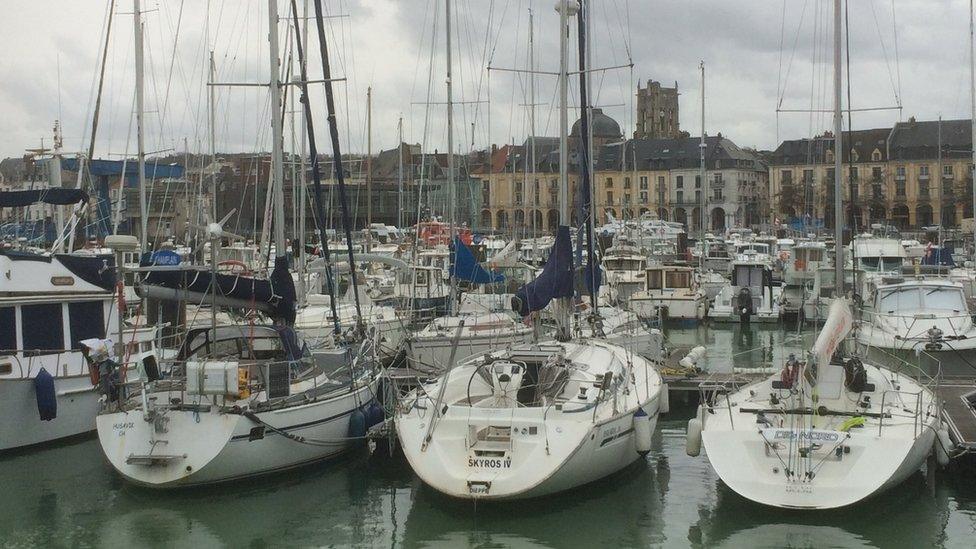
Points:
(51, 306)
(875, 257)
(751, 296)
(918, 314)
(624, 266)
(242, 400)
(670, 292)
(801, 298)
(530, 420)
(827, 431)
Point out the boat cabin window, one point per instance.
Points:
(748, 275)
(880, 264)
(808, 254)
(8, 330)
(421, 278)
(42, 328)
(913, 299)
(654, 279)
(678, 279)
(240, 348)
(624, 264)
(86, 321)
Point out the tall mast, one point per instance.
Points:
(140, 130)
(838, 148)
(369, 166)
(277, 169)
(452, 190)
(972, 111)
(212, 107)
(400, 173)
(564, 8)
(532, 116)
(701, 174)
(586, 148)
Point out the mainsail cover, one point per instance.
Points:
(555, 281)
(466, 267)
(55, 196)
(274, 296)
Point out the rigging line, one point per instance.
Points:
(884, 51)
(107, 26)
(789, 65)
(779, 73)
(894, 27)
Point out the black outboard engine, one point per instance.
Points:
(744, 305)
(855, 376)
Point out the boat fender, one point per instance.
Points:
(47, 397)
(943, 446)
(374, 414)
(664, 404)
(642, 431)
(357, 424)
(151, 368)
(693, 440)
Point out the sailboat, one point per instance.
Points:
(242, 400)
(828, 430)
(535, 419)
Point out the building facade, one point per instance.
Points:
(891, 175)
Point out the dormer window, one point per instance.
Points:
(876, 156)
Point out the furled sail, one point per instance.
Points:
(466, 267)
(555, 281)
(54, 196)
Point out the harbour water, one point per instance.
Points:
(69, 496)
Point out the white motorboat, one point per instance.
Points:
(624, 266)
(751, 296)
(801, 296)
(531, 420)
(918, 314)
(826, 432)
(242, 401)
(670, 292)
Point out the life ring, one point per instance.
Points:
(234, 266)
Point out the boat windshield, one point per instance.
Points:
(912, 299)
(624, 264)
(678, 279)
(880, 264)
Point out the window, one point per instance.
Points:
(609, 182)
(609, 198)
(876, 156)
(8, 330)
(697, 181)
(643, 182)
(830, 175)
(900, 188)
(678, 279)
(853, 173)
(654, 279)
(808, 176)
(697, 197)
(660, 183)
(923, 172)
(786, 176)
(718, 179)
(680, 196)
(854, 191)
(947, 171)
(876, 173)
(42, 328)
(900, 172)
(679, 182)
(717, 194)
(643, 197)
(626, 182)
(627, 198)
(85, 321)
(923, 188)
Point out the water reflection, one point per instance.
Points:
(69, 496)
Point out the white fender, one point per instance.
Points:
(943, 446)
(664, 400)
(642, 431)
(693, 440)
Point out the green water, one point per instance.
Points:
(69, 497)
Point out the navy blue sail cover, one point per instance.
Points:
(56, 196)
(274, 295)
(555, 281)
(465, 267)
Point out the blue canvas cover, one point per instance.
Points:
(465, 267)
(555, 281)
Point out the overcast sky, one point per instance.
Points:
(759, 54)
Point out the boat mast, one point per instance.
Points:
(140, 137)
(586, 149)
(400, 173)
(277, 169)
(531, 156)
(566, 8)
(452, 190)
(212, 107)
(838, 147)
(701, 175)
(369, 167)
(972, 111)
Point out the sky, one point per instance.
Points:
(759, 56)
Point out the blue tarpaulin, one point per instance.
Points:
(465, 267)
(938, 255)
(555, 281)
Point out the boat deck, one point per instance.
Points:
(957, 412)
